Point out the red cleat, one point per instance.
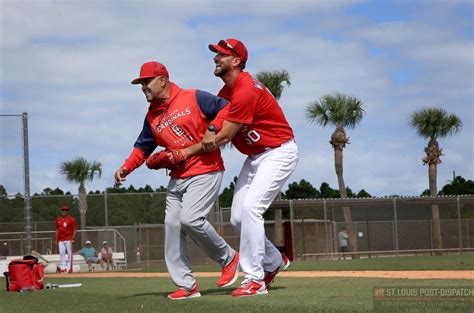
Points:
(250, 288)
(182, 293)
(230, 272)
(270, 276)
(286, 262)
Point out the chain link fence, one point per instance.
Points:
(381, 225)
(305, 229)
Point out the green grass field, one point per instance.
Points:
(287, 294)
(445, 262)
(148, 295)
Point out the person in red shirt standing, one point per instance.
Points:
(176, 119)
(257, 127)
(65, 233)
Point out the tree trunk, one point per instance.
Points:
(432, 158)
(83, 227)
(82, 211)
(347, 210)
(438, 243)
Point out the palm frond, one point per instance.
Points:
(94, 167)
(317, 112)
(435, 123)
(274, 80)
(338, 109)
(80, 170)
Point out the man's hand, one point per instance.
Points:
(120, 175)
(209, 141)
(170, 159)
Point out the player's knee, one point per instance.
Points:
(249, 205)
(172, 223)
(189, 223)
(249, 210)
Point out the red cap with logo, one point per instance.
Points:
(230, 46)
(65, 208)
(151, 69)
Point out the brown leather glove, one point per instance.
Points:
(170, 159)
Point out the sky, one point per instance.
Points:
(69, 64)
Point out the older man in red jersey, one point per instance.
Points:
(176, 119)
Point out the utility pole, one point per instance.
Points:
(26, 168)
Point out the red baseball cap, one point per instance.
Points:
(231, 46)
(65, 208)
(151, 69)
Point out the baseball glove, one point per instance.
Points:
(170, 159)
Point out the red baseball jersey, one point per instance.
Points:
(264, 124)
(176, 124)
(65, 227)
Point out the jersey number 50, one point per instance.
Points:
(251, 137)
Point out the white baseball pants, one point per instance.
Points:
(188, 203)
(259, 182)
(65, 255)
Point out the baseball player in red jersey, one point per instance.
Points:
(65, 233)
(176, 119)
(257, 127)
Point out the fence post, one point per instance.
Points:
(326, 227)
(459, 225)
(106, 213)
(368, 238)
(147, 247)
(335, 245)
(303, 235)
(395, 228)
(35, 241)
(431, 237)
(368, 231)
(354, 227)
(467, 232)
(292, 229)
(220, 217)
(137, 244)
(278, 227)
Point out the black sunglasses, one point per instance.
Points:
(225, 44)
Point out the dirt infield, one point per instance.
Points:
(461, 274)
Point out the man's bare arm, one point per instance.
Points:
(212, 141)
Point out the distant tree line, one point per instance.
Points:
(125, 206)
(135, 207)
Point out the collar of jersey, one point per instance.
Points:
(174, 91)
(236, 82)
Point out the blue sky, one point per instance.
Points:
(69, 65)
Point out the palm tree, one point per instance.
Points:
(434, 123)
(79, 171)
(343, 112)
(274, 80)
